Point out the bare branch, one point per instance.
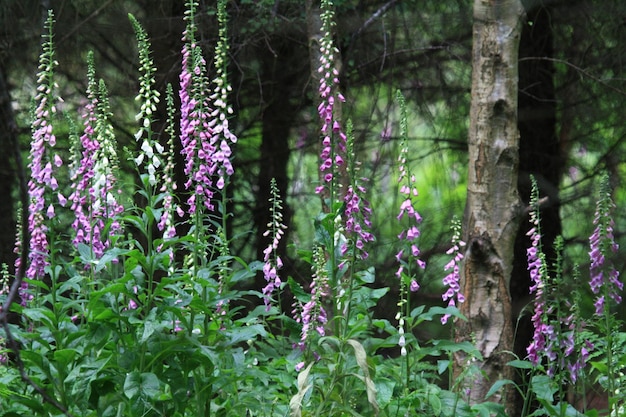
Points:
(376, 15)
(577, 68)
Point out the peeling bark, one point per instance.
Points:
(493, 207)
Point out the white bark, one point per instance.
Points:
(493, 205)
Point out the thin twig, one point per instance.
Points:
(377, 14)
(93, 15)
(577, 68)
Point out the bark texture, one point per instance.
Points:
(493, 206)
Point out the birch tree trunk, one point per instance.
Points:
(493, 206)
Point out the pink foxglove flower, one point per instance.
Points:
(312, 314)
(409, 254)
(42, 185)
(408, 217)
(452, 280)
(95, 196)
(544, 335)
(205, 133)
(196, 128)
(604, 278)
(222, 110)
(272, 262)
(357, 210)
(543, 331)
(334, 138)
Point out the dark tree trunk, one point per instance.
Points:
(283, 83)
(540, 156)
(8, 142)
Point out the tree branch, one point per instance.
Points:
(377, 14)
(578, 69)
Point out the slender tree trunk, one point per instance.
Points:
(493, 206)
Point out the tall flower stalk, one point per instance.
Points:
(312, 314)
(453, 294)
(573, 351)
(150, 157)
(604, 281)
(206, 141)
(109, 203)
(556, 344)
(42, 185)
(168, 188)
(271, 260)
(221, 140)
(334, 138)
(543, 335)
(346, 211)
(604, 278)
(221, 109)
(356, 231)
(196, 126)
(357, 210)
(95, 197)
(205, 132)
(408, 257)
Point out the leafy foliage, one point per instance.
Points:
(157, 323)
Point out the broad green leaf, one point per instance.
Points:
(245, 333)
(40, 315)
(242, 275)
(384, 388)
(489, 409)
(496, 386)
(38, 283)
(435, 403)
(105, 314)
(378, 293)
(65, 356)
(442, 366)
(440, 311)
(86, 253)
(417, 310)
(453, 406)
(451, 346)
(149, 328)
(543, 387)
(141, 384)
(600, 366)
(520, 364)
(571, 411)
(108, 256)
(368, 276)
(297, 291)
